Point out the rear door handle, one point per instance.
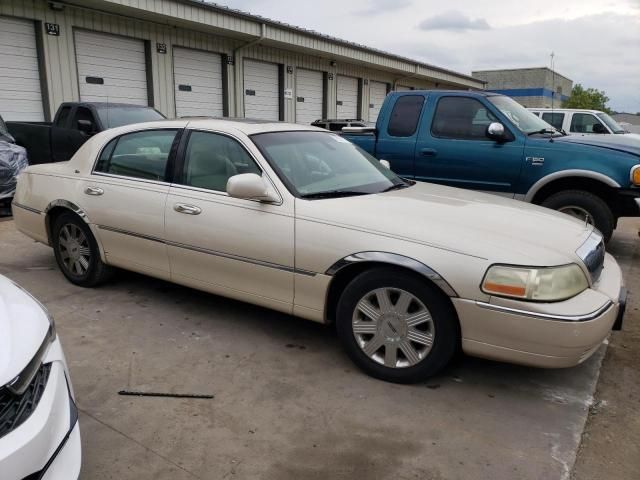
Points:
(428, 152)
(95, 191)
(187, 209)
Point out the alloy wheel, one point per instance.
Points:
(579, 213)
(393, 327)
(74, 249)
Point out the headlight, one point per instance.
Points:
(550, 284)
(635, 175)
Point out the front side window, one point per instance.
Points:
(405, 116)
(138, 155)
(554, 119)
(211, 159)
(584, 123)
(461, 118)
(522, 118)
(82, 113)
(318, 164)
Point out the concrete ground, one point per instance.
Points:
(288, 403)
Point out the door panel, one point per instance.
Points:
(453, 149)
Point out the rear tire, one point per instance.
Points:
(581, 204)
(396, 326)
(77, 252)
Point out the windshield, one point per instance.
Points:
(611, 123)
(112, 117)
(319, 163)
(522, 118)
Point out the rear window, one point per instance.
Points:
(112, 117)
(405, 116)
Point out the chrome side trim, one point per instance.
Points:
(24, 207)
(206, 251)
(394, 259)
(69, 205)
(547, 316)
(592, 253)
(568, 173)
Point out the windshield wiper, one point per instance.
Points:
(333, 194)
(544, 130)
(397, 186)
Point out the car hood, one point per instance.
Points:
(628, 143)
(472, 223)
(23, 328)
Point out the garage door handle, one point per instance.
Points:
(95, 191)
(187, 209)
(428, 152)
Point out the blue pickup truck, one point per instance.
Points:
(489, 142)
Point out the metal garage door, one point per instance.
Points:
(377, 94)
(309, 96)
(261, 90)
(198, 83)
(111, 68)
(20, 94)
(347, 97)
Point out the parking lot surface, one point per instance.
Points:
(288, 403)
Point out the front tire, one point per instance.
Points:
(77, 252)
(584, 206)
(396, 326)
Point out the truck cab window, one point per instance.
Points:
(584, 123)
(63, 116)
(554, 119)
(405, 116)
(461, 118)
(82, 113)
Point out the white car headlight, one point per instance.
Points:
(549, 284)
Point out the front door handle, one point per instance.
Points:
(428, 152)
(187, 209)
(95, 191)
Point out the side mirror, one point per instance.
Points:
(250, 186)
(599, 128)
(86, 127)
(386, 164)
(495, 131)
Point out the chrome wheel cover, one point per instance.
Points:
(579, 213)
(74, 249)
(393, 327)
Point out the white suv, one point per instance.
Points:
(581, 122)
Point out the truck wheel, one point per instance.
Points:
(77, 252)
(396, 327)
(584, 206)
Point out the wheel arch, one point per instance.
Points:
(347, 268)
(568, 178)
(55, 208)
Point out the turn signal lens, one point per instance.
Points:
(635, 175)
(542, 284)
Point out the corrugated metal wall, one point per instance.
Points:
(60, 59)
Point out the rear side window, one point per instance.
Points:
(405, 116)
(461, 118)
(63, 116)
(554, 119)
(138, 155)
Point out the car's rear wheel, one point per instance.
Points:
(396, 326)
(584, 206)
(77, 252)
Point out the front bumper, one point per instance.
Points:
(47, 445)
(551, 335)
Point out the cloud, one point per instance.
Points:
(455, 21)
(374, 7)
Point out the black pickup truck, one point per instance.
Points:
(74, 124)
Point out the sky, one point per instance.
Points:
(595, 42)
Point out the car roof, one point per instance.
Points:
(564, 110)
(247, 126)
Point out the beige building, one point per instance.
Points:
(532, 87)
(188, 57)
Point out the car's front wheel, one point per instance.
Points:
(77, 252)
(396, 326)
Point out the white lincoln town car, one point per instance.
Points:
(300, 220)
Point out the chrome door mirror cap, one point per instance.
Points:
(251, 186)
(385, 163)
(496, 131)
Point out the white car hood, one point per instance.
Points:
(23, 327)
(473, 223)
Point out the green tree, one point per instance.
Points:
(589, 98)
